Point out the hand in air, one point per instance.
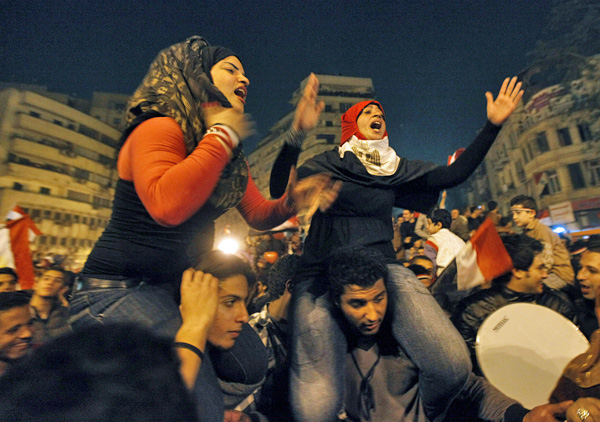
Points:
(199, 298)
(547, 412)
(308, 109)
(501, 108)
(312, 193)
(241, 123)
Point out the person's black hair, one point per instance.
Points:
(101, 373)
(593, 243)
(418, 269)
(522, 250)
(525, 201)
(417, 257)
(10, 300)
(354, 266)
(441, 216)
(463, 210)
(67, 275)
(223, 265)
(504, 221)
(282, 271)
(492, 205)
(8, 270)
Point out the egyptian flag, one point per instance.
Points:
(481, 260)
(15, 236)
(541, 183)
(452, 158)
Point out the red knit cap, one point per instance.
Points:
(349, 118)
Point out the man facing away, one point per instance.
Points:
(524, 210)
(382, 383)
(442, 245)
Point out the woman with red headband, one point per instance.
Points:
(375, 179)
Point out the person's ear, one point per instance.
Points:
(517, 273)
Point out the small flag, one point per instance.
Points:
(541, 183)
(15, 237)
(483, 258)
(452, 158)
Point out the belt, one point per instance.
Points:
(88, 283)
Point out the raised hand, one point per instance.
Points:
(501, 108)
(241, 123)
(308, 109)
(312, 193)
(199, 298)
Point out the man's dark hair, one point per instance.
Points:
(463, 210)
(8, 270)
(504, 221)
(418, 269)
(67, 275)
(415, 258)
(441, 216)
(359, 266)
(492, 205)
(279, 274)
(223, 265)
(10, 300)
(101, 373)
(593, 243)
(525, 201)
(522, 250)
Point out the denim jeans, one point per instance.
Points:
(420, 326)
(148, 305)
(156, 309)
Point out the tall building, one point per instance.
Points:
(58, 163)
(339, 93)
(550, 148)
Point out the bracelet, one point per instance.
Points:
(295, 138)
(190, 348)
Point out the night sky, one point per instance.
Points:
(431, 61)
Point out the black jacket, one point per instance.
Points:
(474, 309)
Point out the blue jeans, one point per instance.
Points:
(420, 326)
(155, 308)
(148, 305)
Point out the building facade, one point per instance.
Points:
(550, 148)
(58, 164)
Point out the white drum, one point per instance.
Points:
(523, 348)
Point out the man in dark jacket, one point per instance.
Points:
(522, 284)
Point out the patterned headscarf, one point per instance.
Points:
(349, 127)
(176, 85)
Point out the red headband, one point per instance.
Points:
(349, 127)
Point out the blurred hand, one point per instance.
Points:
(501, 108)
(241, 123)
(590, 404)
(308, 109)
(312, 193)
(547, 412)
(199, 298)
(236, 416)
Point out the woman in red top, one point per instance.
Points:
(180, 166)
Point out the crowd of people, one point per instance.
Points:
(340, 325)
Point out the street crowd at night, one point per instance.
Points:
(358, 294)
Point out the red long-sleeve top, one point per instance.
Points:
(173, 186)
